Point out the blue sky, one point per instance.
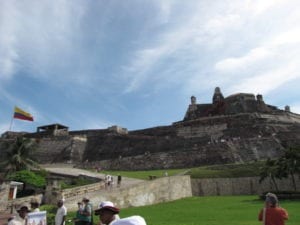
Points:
(93, 64)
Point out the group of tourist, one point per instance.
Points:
(109, 181)
(271, 214)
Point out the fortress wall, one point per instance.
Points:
(60, 149)
(155, 131)
(201, 131)
(78, 148)
(238, 186)
(196, 152)
(51, 149)
(163, 189)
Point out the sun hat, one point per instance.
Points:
(23, 207)
(107, 205)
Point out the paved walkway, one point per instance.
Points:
(68, 169)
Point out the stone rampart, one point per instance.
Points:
(60, 149)
(238, 186)
(145, 193)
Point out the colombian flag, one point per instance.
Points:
(22, 115)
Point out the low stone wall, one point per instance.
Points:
(4, 192)
(238, 186)
(145, 193)
(20, 201)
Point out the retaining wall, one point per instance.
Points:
(145, 193)
(238, 186)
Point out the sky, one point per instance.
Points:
(92, 64)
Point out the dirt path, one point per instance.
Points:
(68, 169)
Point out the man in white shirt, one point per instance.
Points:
(21, 218)
(61, 213)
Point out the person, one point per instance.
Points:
(119, 180)
(86, 212)
(77, 219)
(61, 213)
(107, 212)
(272, 214)
(108, 181)
(21, 218)
(34, 205)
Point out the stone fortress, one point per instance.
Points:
(235, 129)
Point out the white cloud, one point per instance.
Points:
(258, 7)
(268, 81)
(8, 39)
(234, 64)
(295, 107)
(288, 37)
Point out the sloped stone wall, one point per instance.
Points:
(238, 186)
(145, 193)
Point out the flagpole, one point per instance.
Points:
(11, 122)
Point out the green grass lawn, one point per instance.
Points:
(228, 170)
(212, 210)
(144, 175)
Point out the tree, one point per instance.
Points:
(289, 164)
(270, 170)
(35, 179)
(18, 155)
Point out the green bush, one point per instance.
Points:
(29, 177)
(51, 211)
(75, 183)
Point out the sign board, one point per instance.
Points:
(37, 218)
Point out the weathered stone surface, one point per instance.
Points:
(238, 186)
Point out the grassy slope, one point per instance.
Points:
(145, 174)
(230, 170)
(216, 210)
(210, 210)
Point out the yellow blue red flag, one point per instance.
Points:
(22, 115)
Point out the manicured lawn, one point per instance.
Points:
(228, 170)
(213, 210)
(144, 175)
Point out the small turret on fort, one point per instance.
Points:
(218, 96)
(233, 104)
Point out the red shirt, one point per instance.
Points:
(274, 216)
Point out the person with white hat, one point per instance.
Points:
(109, 215)
(107, 212)
(20, 219)
(272, 214)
